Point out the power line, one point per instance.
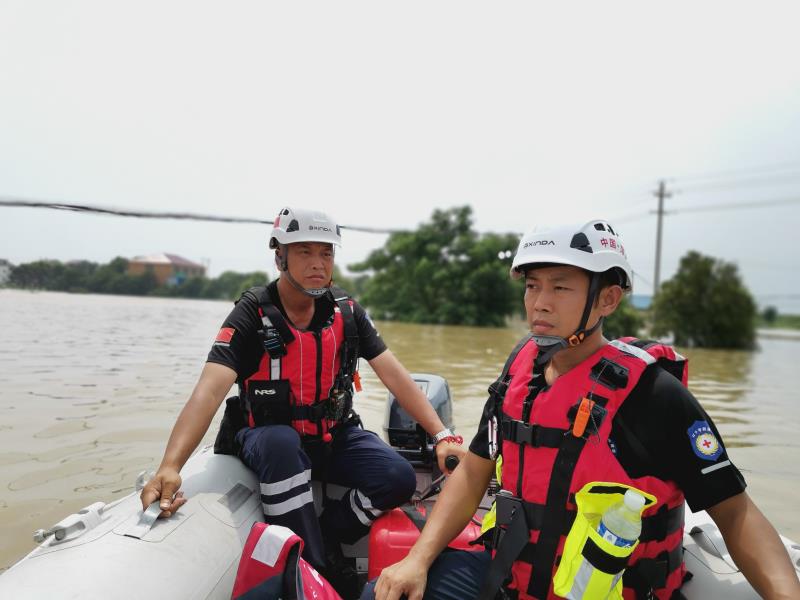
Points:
(750, 182)
(778, 296)
(142, 214)
(736, 205)
(736, 172)
(630, 218)
(638, 275)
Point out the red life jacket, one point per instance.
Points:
(550, 453)
(271, 568)
(317, 368)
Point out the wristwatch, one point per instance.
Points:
(443, 434)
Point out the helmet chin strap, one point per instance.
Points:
(549, 345)
(283, 265)
(313, 292)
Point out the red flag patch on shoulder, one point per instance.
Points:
(225, 334)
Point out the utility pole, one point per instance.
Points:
(660, 193)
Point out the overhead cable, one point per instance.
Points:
(736, 205)
(761, 181)
(734, 173)
(143, 214)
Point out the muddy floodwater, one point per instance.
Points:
(90, 387)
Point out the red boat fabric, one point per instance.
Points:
(271, 568)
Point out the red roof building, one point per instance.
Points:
(169, 269)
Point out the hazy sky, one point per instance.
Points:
(380, 112)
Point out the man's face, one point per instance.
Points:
(311, 263)
(555, 298)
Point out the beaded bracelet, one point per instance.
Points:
(451, 439)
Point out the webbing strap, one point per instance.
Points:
(648, 574)
(663, 523)
(600, 559)
(535, 515)
(277, 320)
(537, 436)
(556, 503)
(416, 517)
(500, 386)
(349, 353)
(513, 540)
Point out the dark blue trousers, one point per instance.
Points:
(454, 575)
(378, 479)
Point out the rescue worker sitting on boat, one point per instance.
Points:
(641, 427)
(293, 348)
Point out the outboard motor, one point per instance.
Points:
(404, 434)
(394, 533)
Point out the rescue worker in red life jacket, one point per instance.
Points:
(293, 348)
(641, 428)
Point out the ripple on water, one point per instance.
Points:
(66, 470)
(131, 436)
(751, 397)
(12, 458)
(91, 402)
(63, 428)
(62, 453)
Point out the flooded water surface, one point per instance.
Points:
(90, 387)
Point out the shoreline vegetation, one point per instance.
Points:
(447, 273)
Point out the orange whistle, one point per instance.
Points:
(582, 418)
(357, 381)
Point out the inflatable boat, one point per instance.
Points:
(116, 551)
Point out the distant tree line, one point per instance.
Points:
(444, 272)
(112, 278)
(447, 273)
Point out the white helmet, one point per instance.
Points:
(595, 246)
(302, 225)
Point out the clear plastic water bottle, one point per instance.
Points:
(621, 524)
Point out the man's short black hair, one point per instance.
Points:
(613, 276)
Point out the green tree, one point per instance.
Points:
(343, 281)
(250, 280)
(77, 276)
(705, 304)
(109, 278)
(39, 275)
(230, 285)
(191, 287)
(770, 315)
(624, 321)
(444, 272)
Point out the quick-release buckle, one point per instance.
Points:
(520, 432)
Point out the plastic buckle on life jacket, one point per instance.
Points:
(582, 417)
